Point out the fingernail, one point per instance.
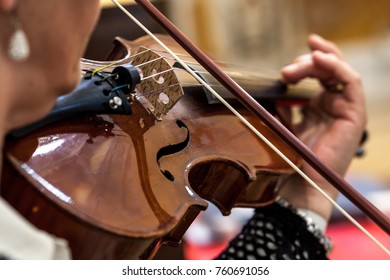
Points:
(316, 37)
(313, 35)
(289, 68)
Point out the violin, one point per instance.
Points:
(119, 184)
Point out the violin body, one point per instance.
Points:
(119, 186)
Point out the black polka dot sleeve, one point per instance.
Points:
(277, 232)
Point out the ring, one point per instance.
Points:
(335, 87)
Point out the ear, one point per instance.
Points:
(7, 5)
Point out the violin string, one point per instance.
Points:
(203, 72)
(100, 69)
(119, 87)
(103, 67)
(187, 56)
(132, 57)
(235, 66)
(156, 74)
(251, 127)
(159, 89)
(148, 62)
(164, 88)
(150, 77)
(108, 77)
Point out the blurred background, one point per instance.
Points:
(265, 35)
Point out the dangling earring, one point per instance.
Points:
(19, 49)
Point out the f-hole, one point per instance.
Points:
(172, 149)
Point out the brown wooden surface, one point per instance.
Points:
(98, 181)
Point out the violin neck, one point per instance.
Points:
(259, 86)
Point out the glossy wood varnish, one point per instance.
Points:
(117, 187)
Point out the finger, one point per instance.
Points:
(333, 69)
(326, 67)
(295, 72)
(318, 43)
(302, 58)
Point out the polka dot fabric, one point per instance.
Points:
(275, 232)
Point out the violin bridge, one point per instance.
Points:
(159, 89)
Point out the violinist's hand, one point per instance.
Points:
(332, 124)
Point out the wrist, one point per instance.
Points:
(301, 195)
